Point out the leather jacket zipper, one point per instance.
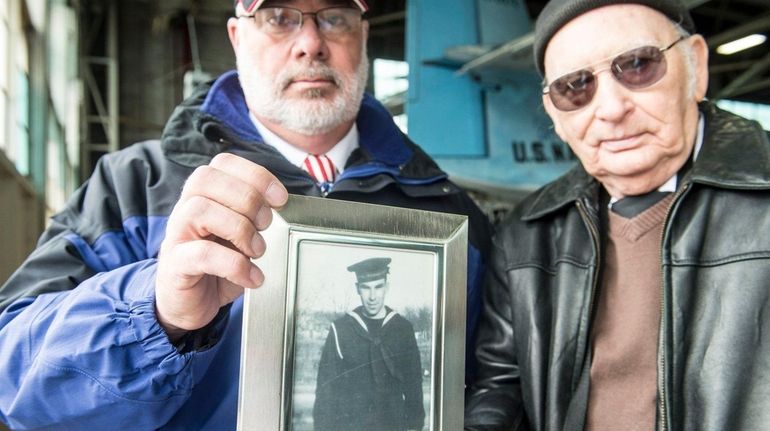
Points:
(663, 411)
(594, 232)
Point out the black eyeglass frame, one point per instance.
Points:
(302, 14)
(547, 88)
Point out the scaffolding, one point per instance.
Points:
(100, 133)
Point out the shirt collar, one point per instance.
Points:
(338, 154)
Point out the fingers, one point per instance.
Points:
(269, 190)
(194, 279)
(210, 236)
(267, 185)
(193, 260)
(239, 184)
(223, 189)
(200, 218)
(223, 199)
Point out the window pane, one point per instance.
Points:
(22, 151)
(390, 86)
(3, 54)
(4, 65)
(20, 141)
(3, 121)
(22, 99)
(390, 78)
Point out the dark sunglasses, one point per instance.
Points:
(634, 69)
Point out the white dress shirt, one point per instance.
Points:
(338, 154)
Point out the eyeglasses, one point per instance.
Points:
(283, 21)
(634, 69)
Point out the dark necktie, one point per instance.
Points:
(632, 206)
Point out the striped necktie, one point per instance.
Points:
(320, 168)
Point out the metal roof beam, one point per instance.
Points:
(757, 25)
(520, 45)
(737, 85)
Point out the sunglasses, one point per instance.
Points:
(635, 69)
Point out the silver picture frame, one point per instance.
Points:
(311, 287)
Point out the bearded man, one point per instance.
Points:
(128, 314)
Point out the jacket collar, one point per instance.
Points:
(735, 155)
(215, 118)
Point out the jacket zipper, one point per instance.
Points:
(663, 422)
(325, 188)
(594, 232)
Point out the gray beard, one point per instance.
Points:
(311, 113)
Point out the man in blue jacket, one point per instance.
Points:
(128, 313)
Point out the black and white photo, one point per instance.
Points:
(363, 338)
(361, 326)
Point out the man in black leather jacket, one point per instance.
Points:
(600, 317)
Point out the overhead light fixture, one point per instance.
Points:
(741, 44)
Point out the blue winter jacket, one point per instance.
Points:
(80, 346)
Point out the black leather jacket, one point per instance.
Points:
(714, 340)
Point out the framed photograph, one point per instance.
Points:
(360, 324)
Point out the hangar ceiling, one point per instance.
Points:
(741, 76)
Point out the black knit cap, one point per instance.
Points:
(557, 13)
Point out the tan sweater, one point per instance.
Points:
(623, 391)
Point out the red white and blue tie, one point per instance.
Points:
(320, 168)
